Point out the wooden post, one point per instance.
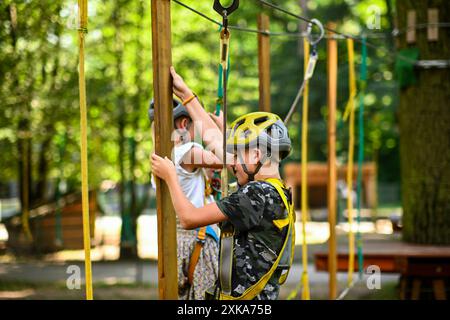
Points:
(264, 63)
(411, 26)
(433, 29)
(332, 92)
(162, 87)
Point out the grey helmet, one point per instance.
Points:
(179, 110)
(259, 129)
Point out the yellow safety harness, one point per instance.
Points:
(284, 259)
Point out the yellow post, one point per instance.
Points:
(332, 92)
(162, 87)
(304, 186)
(82, 30)
(350, 110)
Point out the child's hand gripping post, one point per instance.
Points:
(163, 168)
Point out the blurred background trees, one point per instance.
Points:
(39, 118)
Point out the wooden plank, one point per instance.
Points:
(403, 287)
(162, 86)
(65, 221)
(318, 177)
(411, 26)
(433, 29)
(264, 63)
(416, 284)
(439, 289)
(331, 99)
(386, 263)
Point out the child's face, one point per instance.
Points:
(184, 131)
(250, 158)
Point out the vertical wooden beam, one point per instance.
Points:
(264, 63)
(331, 98)
(162, 87)
(26, 186)
(416, 287)
(411, 26)
(439, 289)
(433, 29)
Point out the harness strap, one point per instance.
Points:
(201, 235)
(255, 289)
(226, 258)
(277, 184)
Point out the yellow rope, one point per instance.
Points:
(82, 30)
(350, 110)
(305, 278)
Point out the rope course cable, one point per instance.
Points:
(239, 28)
(337, 35)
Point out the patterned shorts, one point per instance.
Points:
(205, 273)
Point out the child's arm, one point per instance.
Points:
(200, 158)
(218, 120)
(190, 216)
(208, 129)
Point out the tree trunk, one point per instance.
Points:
(43, 166)
(127, 245)
(425, 132)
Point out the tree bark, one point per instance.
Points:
(425, 132)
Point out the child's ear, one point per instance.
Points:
(256, 156)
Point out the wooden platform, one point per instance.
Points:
(417, 265)
(388, 257)
(318, 180)
(43, 225)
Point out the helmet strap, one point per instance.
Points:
(251, 175)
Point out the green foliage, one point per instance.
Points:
(39, 79)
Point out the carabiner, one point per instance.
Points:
(227, 10)
(312, 42)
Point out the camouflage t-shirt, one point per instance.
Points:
(251, 210)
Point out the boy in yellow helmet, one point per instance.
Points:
(257, 220)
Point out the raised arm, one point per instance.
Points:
(203, 122)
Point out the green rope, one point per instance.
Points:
(363, 79)
(219, 103)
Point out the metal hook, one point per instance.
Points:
(309, 35)
(225, 10)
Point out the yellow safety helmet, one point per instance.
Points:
(259, 129)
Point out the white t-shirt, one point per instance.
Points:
(192, 183)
